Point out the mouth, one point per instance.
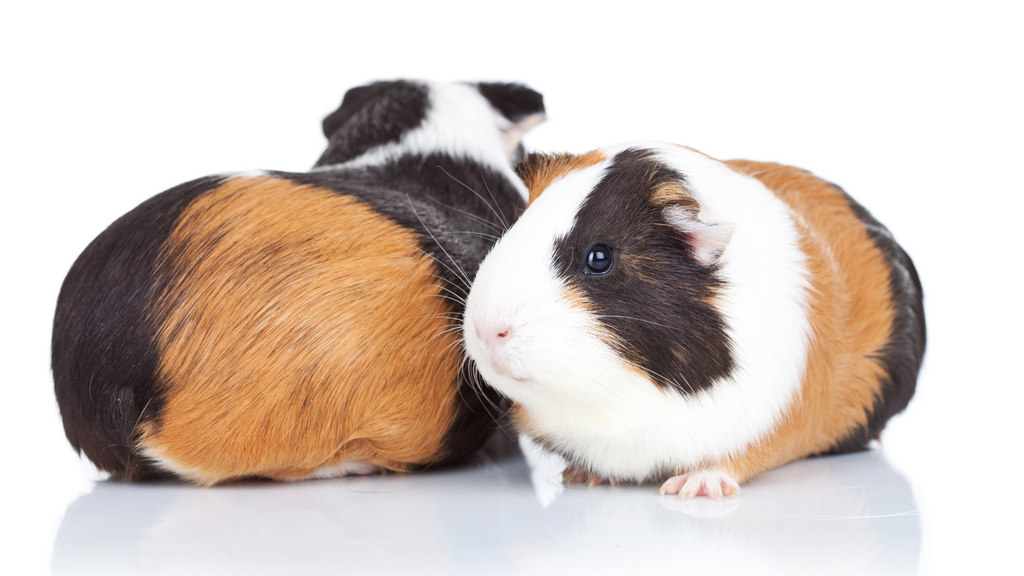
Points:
(502, 369)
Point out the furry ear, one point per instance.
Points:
(523, 107)
(707, 240)
(353, 101)
(514, 101)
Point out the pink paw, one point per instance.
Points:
(710, 483)
(575, 475)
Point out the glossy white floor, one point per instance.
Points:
(913, 108)
(502, 514)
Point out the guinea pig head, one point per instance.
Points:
(480, 121)
(606, 284)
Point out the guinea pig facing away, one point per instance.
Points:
(297, 325)
(658, 315)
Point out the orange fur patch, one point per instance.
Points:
(541, 170)
(673, 194)
(851, 314)
(300, 329)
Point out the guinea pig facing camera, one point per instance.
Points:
(659, 315)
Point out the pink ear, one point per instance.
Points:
(513, 135)
(708, 240)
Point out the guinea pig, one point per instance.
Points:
(658, 315)
(298, 325)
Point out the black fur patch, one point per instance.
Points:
(514, 101)
(104, 351)
(903, 353)
(104, 357)
(479, 411)
(656, 297)
(352, 102)
(371, 116)
(459, 209)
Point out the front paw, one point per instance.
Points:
(710, 483)
(575, 475)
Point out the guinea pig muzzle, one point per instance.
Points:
(496, 342)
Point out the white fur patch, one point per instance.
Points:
(197, 475)
(346, 468)
(580, 394)
(244, 174)
(461, 123)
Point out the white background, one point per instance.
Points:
(914, 108)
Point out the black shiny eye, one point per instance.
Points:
(599, 259)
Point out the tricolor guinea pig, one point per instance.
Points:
(297, 325)
(658, 315)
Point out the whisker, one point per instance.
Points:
(440, 334)
(451, 330)
(655, 376)
(482, 199)
(445, 317)
(488, 236)
(664, 380)
(481, 384)
(642, 320)
(471, 215)
(473, 376)
(489, 193)
(444, 283)
(460, 373)
(427, 254)
(453, 347)
(436, 259)
(453, 296)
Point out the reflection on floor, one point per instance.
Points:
(506, 513)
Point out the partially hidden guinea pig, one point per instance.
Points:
(658, 315)
(297, 325)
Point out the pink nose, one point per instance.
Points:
(494, 337)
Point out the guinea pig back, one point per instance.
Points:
(296, 325)
(659, 314)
